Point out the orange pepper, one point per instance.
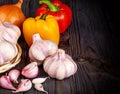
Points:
(47, 28)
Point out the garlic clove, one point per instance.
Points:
(39, 80)
(31, 70)
(39, 87)
(14, 74)
(24, 85)
(6, 83)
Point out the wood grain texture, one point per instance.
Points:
(90, 40)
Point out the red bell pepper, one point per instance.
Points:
(59, 10)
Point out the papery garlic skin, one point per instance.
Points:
(6, 83)
(8, 51)
(39, 80)
(1, 32)
(31, 70)
(40, 49)
(40, 87)
(24, 85)
(60, 65)
(9, 32)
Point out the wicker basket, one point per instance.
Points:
(10, 64)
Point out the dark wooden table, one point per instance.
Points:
(92, 41)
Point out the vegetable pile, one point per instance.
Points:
(42, 34)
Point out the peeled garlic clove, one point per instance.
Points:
(14, 74)
(60, 65)
(39, 80)
(6, 83)
(24, 85)
(31, 70)
(7, 51)
(40, 49)
(39, 87)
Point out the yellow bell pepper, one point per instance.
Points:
(47, 28)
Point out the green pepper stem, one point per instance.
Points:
(43, 16)
(51, 6)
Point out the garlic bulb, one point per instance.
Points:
(9, 32)
(60, 65)
(40, 49)
(8, 51)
